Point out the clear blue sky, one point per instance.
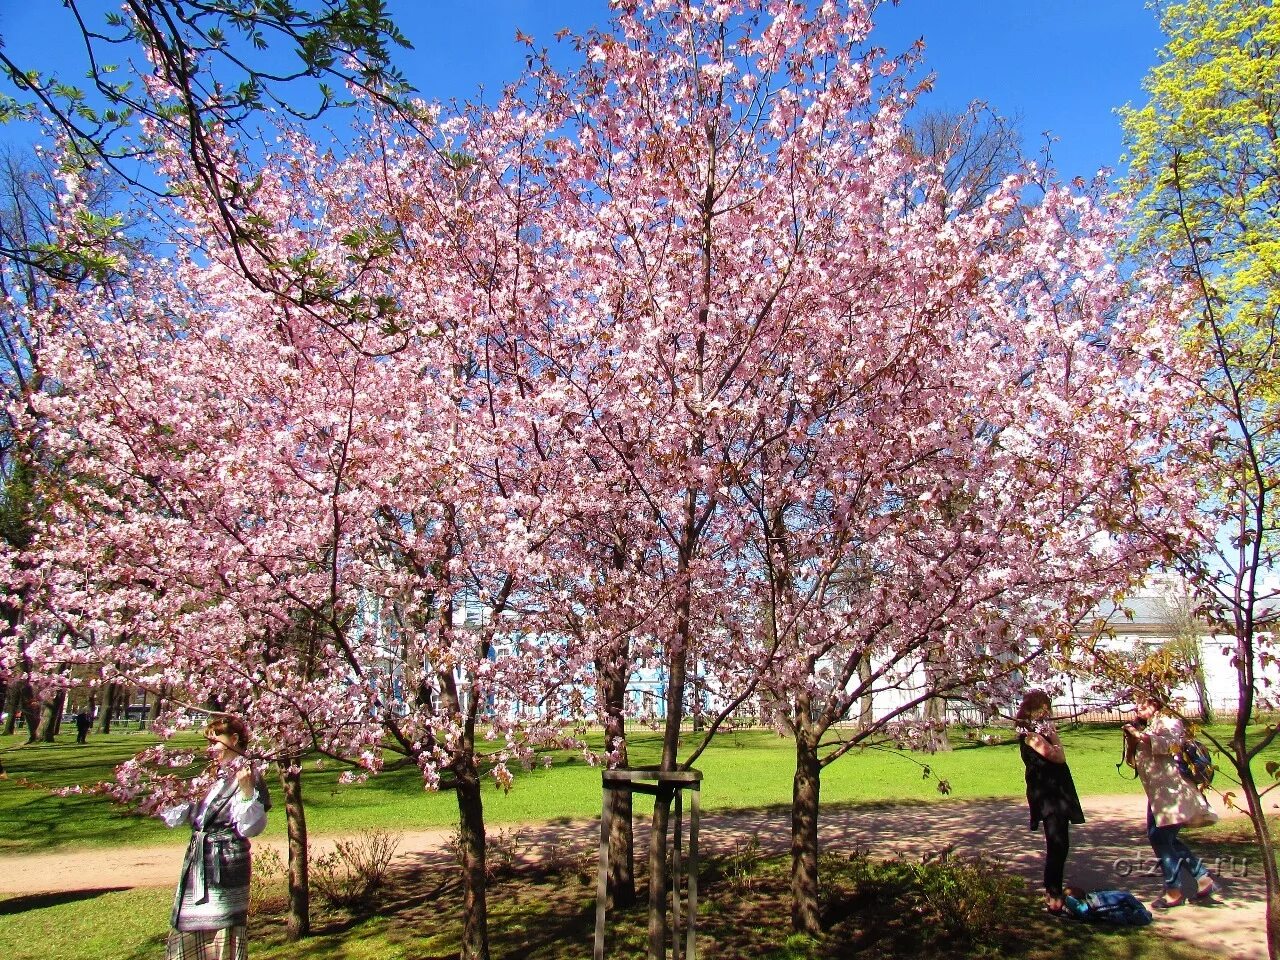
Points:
(1063, 67)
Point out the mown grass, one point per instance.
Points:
(742, 769)
(548, 914)
(873, 910)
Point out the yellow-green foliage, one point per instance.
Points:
(1204, 164)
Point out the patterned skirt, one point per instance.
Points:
(214, 890)
(229, 943)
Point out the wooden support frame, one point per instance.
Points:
(655, 782)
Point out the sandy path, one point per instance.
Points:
(1110, 851)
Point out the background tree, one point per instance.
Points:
(217, 65)
(32, 265)
(975, 151)
(1204, 155)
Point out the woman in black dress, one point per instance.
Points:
(1051, 793)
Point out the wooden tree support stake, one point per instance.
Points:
(655, 782)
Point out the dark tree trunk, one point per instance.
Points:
(475, 911)
(110, 694)
(52, 719)
(622, 877)
(1266, 843)
(805, 916)
(658, 876)
(658, 927)
(12, 703)
(296, 824)
(30, 710)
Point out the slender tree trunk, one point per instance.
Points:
(295, 817)
(658, 926)
(614, 669)
(12, 703)
(1266, 850)
(806, 785)
(622, 877)
(935, 711)
(110, 694)
(1240, 758)
(15, 694)
(475, 912)
(157, 704)
(866, 715)
(30, 710)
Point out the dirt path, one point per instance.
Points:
(1110, 851)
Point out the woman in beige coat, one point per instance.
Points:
(1172, 802)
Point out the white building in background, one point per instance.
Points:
(1160, 612)
(1154, 615)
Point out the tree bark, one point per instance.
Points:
(52, 718)
(866, 715)
(937, 740)
(296, 824)
(12, 703)
(1266, 848)
(806, 786)
(475, 912)
(109, 696)
(622, 877)
(30, 707)
(658, 927)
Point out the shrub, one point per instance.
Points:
(356, 869)
(266, 882)
(968, 900)
(743, 863)
(959, 898)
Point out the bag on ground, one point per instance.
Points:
(1117, 907)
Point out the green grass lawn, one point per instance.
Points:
(546, 917)
(743, 769)
(872, 911)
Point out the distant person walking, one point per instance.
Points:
(83, 723)
(1051, 793)
(211, 904)
(1152, 743)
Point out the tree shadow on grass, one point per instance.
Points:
(40, 901)
(547, 912)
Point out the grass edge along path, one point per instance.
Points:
(745, 769)
(875, 910)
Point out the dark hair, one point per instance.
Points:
(223, 724)
(1032, 702)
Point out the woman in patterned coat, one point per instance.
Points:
(1153, 743)
(211, 904)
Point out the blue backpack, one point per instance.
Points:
(1117, 907)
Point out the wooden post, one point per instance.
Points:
(652, 781)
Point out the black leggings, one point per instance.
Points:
(1056, 844)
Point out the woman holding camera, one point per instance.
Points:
(1152, 743)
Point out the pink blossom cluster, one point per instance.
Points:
(681, 359)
